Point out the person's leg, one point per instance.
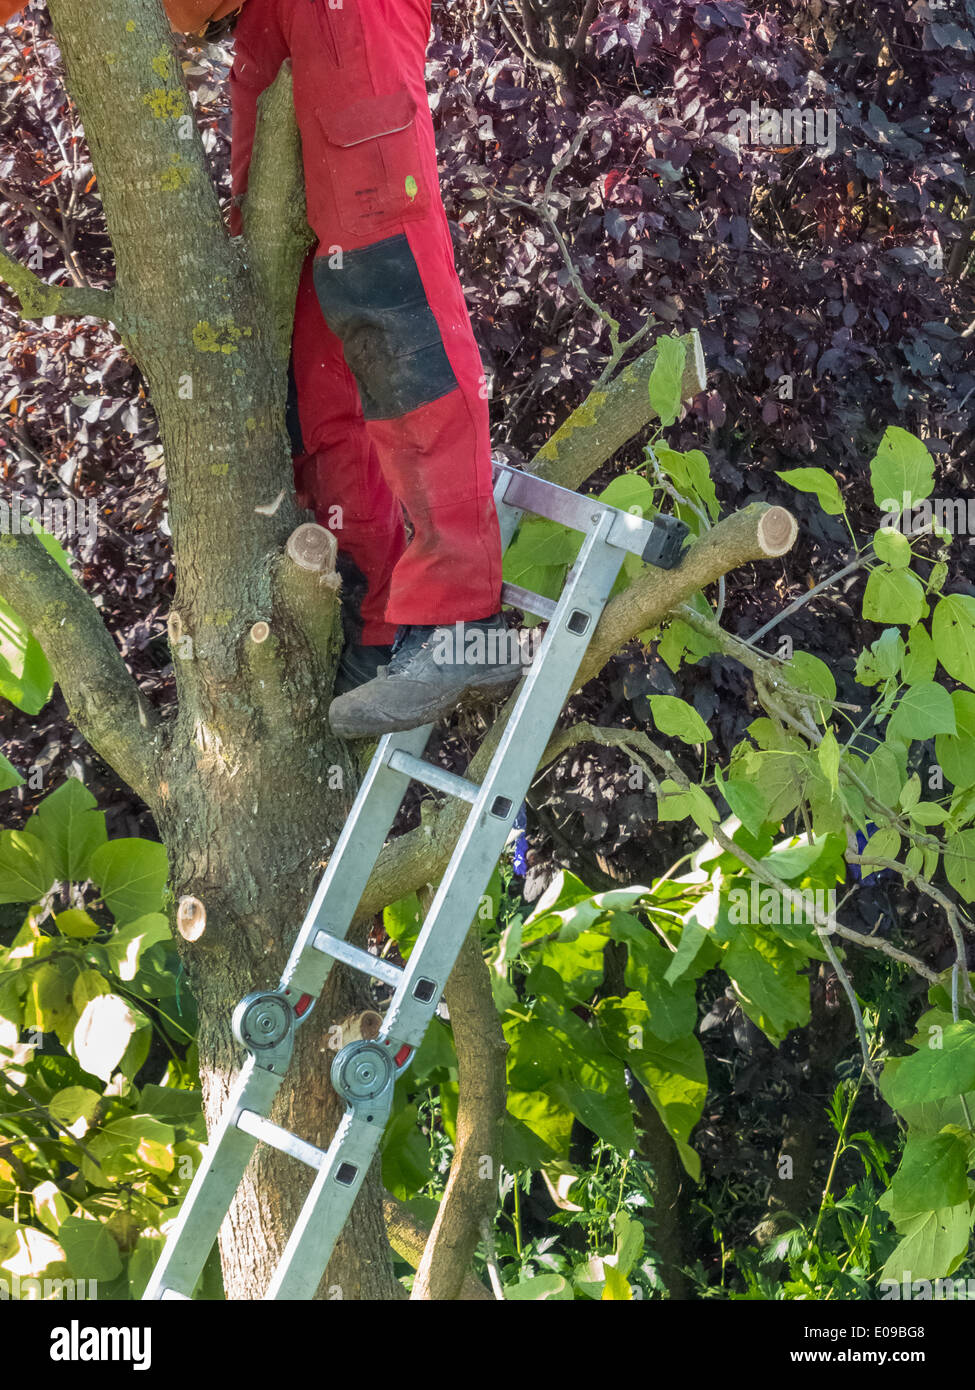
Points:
(389, 290)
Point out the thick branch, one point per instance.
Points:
(609, 417)
(472, 1186)
(759, 532)
(102, 697)
(408, 1237)
(39, 300)
(273, 211)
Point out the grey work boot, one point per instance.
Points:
(430, 670)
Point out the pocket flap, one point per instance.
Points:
(368, 119)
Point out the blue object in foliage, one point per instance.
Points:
(520, 861)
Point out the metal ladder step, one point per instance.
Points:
(282, 1139)
(363, 961)
(517, 597)
(438, 778)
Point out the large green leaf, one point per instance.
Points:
(677, 719)
(953, 631)
(956, 752)
(26, 867)
(901, 468)
(932, 1173)
(666, 379)
(126, 946)
(960, 864)
(9, 776)
(820, 482)
(934, 1072)
(932, 1245)
(923, 710)
(102, 1034)
(672, 1008)
(763, 970)
(893, 596)
(90, 1249)
(72, 827)
(131, 874)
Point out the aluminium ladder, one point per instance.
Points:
(364, 1072)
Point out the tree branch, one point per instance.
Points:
(273, 210)
(408, 1236)
(39, 300)
(472, 1185)
(102, 697)
(609, 417)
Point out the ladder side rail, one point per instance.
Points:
(213, 1188)
(548, 683)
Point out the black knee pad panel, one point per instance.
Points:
(376, 305)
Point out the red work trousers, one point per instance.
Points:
(390, 386)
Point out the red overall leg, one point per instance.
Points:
(386, 280)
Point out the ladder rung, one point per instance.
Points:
(348, 954)
(279, 1138)
(432, 776)
(527, 601)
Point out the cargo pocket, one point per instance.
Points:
(373, 162)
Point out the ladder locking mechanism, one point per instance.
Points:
(666, 542)
(363, 1072)
(264, 1023)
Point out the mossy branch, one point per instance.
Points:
(103, 699)
(39, 300)
(610, 416)
(273, 210)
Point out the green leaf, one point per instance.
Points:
(763, 970)
(131, 874)
(923, 710)
(49, 1205)
(675, 804)
(934, 1073)
(125, 949)
(74, 1103)
(673, 1073)
(541, 1286)
(892, 547)
(893, 596)
(72, 827)
(75, 923)
(828, 755)
(90, 1249)
(677, 719)
(933, 1243)
(103, 1033)
(9, 776)
(921, 659)
(956, 752)
(953, 631)
(932, 1173)
(631, 493)
(901, 471)
(666, 379)
(747, 802)
(820, 482)
(26, 868)
(691, 474)
(25, 676)
(402, 921)
(671, 1008)
(960, 864)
